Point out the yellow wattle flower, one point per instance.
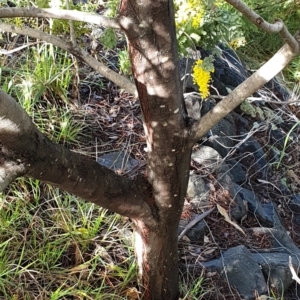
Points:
(189, 11)
(201, 78)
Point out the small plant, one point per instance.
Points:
(124, 63)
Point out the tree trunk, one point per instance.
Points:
(151, 38)
(157, 259)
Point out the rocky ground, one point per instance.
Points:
(247, 166)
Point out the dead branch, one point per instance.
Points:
(62, 14)
(257, 20)
(194, 222)
(294, 274)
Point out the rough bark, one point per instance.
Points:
(25, 151)
(150, 30)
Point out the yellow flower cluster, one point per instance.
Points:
(189, 10)
(238, 42)
(201, 78)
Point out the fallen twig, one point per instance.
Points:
(294, 274)
(194, 222)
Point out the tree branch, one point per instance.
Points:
(277, 27)
(258, 79)
(24, 150)
(75, 15)
(119, 80)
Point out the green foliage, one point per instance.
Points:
(286, 140)
(108, 38)
(112, 7)
(124, 63)
(205, 24)
(267, 44)
(41, 83)
(60, 27)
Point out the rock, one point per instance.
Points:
(212, 160)
(275, 264)
(296, 219)
(278, 138)
(270, 210)
(221, 135)
(237, 171)
(279, 239)
(278, 89)
(276, 270)
(229, 69)
(240, 267)
(223, 177)
(197, 191)
(197, 232)
(241, 270)
(265, 213)
(255, 155)
(117, 161)
(207, 157)
(242, 123)
(192, 105)
(294, 204)
(254, 206)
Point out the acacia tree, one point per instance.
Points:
(153, 203)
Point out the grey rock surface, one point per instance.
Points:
(117, 161)
(241, 270)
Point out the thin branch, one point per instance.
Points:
(277, 27)
(119, 80)
(75, 15)
(72, 31)
(294, 274)
(194, 222)
(257, 80)
(24, 150)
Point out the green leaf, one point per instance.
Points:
(108, 38)
(196, 37)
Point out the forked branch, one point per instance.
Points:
(25, 151)
(258, 79)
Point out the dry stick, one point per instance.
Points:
(64, 14)
(294, 274)
(194, 222)
(72, 31)
(74, 42)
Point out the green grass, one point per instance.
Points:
(52, 244)
(55, 246)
